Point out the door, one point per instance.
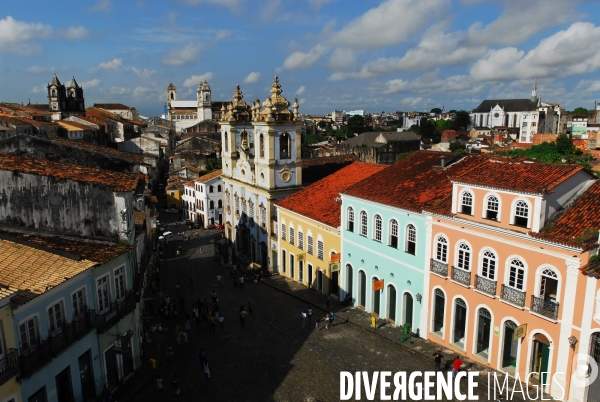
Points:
(320, 281)
(335, 288)
(310, 275)
(539, 358)
(220, 219)
(376, 298)
(112, 369)
(301, 271)
(362, 288)
(349, 276)
(594, 387)
(64, 390)
(408, 309)
(292, 266)
(127, 356)
(484, 324)
(274, 259)
(510, 347)
(263, 256)
(460, 323)
(86, 376)
(391, 296)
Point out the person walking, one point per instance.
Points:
(159, 384)
(456, 364)
(243, 315)
(206, 370)
(235, 282)
(196, 315)
(178, 334)
(219, 279)
(303, 316)
(211, 320)
(215, 299)
(175, 384)
(309, 314)
(317, 323)
(437, 359)
(331, 317)
(250, 309)
(221, 321)
(241, 282)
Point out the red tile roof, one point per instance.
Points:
(517, 175)
(209, 176)
(116, 181)
(130, 156)
(318, 201)
(579, 224)
(415, 183)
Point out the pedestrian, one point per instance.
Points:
(309, 314)
(178, 334)
(191, 278)
(241, 282)
(456, 366)
(328, 304)
(202, 355)
(317, 322)
(221, 321)
(250, 309)
(437, 359)
(159, 384)
(243, 315)
(214, 297)
(206, 371)
(106, 394)
(326, 319)
(188, 327)
(175, 311)
(241, 308)
(211, 320)
(175, 385)
(235, 282)
(303, 315)
(196, 314)
(219, 277)
(234, 266)
(331, 317)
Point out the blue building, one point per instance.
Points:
(385, 240)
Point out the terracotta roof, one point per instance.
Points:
(415, 183)
(117, 181)
(320, 201)
(7, 292)
(517, 175)
(116, 106)
(175, 186)
(209, 176)
(75, 124)
(579, 224)
(153, 199)
(130, 156)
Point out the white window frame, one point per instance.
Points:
(482, 259)
(463, 194)
(120, 293)
(31, 346)
(103, 309)
(56, 325)
(407, 237)
(509, 267)
(486, 206)
(75, 306)
(514, 212)
(292, 235)
(377, 228)
(394, 229)
(446, 243)
(364, 223)
(350, 222)
(463, 252)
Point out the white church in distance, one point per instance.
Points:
(186, 113)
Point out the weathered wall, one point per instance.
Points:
(60, 206)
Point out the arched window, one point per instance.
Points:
(363, 223)
(411, 239)
(491, 208)
(466, 203)
(284, 146)
(460, 323)
(211, 189)
(484, 325)
(244, 143)
(394, 233)
(464, 257)
(488, 265)
(211, 204)
(219, 188)
(549, 285)
(292, 237)
(377, 225)
(441, 249)
(261, 143)
(516, 278)
(220, 204)
(226, 142)
(439, 305)
(172, 96)
(521, 214)
(350, 219)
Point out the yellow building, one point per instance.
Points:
(174, 192)
(10, 388)
(308, 232)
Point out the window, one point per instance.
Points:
(291, 235)
(283, 261)
(524, 123)
(521, 214)
(283, 231)
(55, 319)
(533, 124)
(464, 257)
(211, 189)
(411, 239)
(320, 249)
(263, 217)
(103, 292)
(516, 277)
(350, 219)
(244, 143)
(237, 204)
(394, 233)
(549, 285)
(226, 142)
(377, 231)
(119, 283)
(300, 239)
(211, 204)
(28, 331)
(284, 146)
(78, 302)
(219, 188)
(488, 266)
(261, 143)
(439, 305)
(309, 241)
(251, 210)
(441, 249)
(460, 322)
(244, 208)
(491, 208)
(466, 203)
(363, 223)
(220, 204)
(172, 193)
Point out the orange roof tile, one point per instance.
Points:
(117, 181)
(209, 176)
(318, 201)
(137, 158)
(517, 175)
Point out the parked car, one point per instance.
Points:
(171, 211)
(221, 226)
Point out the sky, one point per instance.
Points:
(332, 54)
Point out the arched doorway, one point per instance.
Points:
(594, 387)
(460, 323)
(510, 348)
(407, 303)
(391, 303)
(362, 288)
(540, 357)
(349, 275)
(439, 308)
(376, 306)
(484, 325)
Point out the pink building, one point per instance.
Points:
(502, 290)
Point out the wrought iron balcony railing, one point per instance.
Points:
(547, 308)
(9, 366)
(461, 276)
(485, 285)
(439, 267)
(117, 311)
(512, 295)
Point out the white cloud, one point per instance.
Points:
(223, 34)
(301, 90)
(588, 86)
(38, 89)
(76, 33)
(341, 59)
(18, 36)
(104, 6)
(301, 60)
(39, 69)
(141, 92)
(143, 73)
(233, 5)
(319, 4)
(252, 78)
(185, 56)
(390, 23)
(194, 80)
(90, 84)
(110, 65)
(575, 50)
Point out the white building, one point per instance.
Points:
(356, 113)
(203, 199)
(261, 164)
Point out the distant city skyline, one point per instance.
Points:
(378, 55)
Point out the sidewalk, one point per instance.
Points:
(422, 348)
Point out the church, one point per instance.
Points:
(262, 163)
(188, 113)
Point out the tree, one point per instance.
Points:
(462, 120)
(356, 124)
(457, 146)
(322, 125)
(436, 110)
(428, 129)
(580, 110)
(564, 144)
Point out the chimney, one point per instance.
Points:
(443, 160)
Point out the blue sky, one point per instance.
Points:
(374, 55)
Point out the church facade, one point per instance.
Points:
(187, 113)
(65, 101)
(262, 163)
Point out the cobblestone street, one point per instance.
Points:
(272, 357)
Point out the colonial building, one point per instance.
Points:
(10, 386)
(379, 147)
(64, 102)
(203, 199)
(189, 113)
(261, 163)
(309, 229)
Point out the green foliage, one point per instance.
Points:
(457, 146)
(580, 110)
(428, 129)
(564, 145)
(213, 164)
(356, 124)
(553, 153)
(461, 120)
(436, 110)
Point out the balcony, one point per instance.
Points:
(438, 267)
(547, 308)
(512, 295)
(485, 285)
(84, 323)
(117, 311)
(61, 340)
(35, 359)
(9, 366)
(461, 276)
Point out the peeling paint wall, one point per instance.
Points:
(65, 207)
